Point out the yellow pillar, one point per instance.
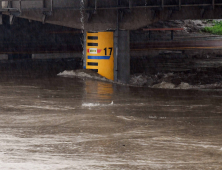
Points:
(99, 53)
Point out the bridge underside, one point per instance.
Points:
(118, 16)
(102, 15)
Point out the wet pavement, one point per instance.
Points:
(78, 123)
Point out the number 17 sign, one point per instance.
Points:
(99, 56)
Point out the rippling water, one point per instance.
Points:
(80, 123)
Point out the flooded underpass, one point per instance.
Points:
(56, 116)
(55, 122)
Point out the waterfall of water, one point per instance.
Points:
(82, 6)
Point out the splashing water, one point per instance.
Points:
(83, 26)
(96, 104)
(82, 6)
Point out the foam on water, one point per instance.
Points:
(141, 80)
(90, 104)
(46, 107)
(82, 74)
(128, 118)
(155, 82)
(96, 104)
(164, 85)
(184, 86)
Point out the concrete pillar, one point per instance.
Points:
(84, 51)
(103, 49)
(122, 56)
(1, 22)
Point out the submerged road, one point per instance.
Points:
(78, 124)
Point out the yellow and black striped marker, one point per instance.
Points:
(99, 53)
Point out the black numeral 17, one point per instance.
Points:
(111, 49)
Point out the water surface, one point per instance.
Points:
(80, 123)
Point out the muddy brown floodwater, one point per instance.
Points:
(65, 123)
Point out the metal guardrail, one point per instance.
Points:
(152, 6)
(161, 5)
(135, 4)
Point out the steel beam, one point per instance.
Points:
(95, 6)
(130, 4)
(116, 45)
(0, 18)
(126, 7)
(84, 50)
(213, 4)
(51, 6)
(172, 35)
(20, 6)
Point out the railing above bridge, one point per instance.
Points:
(20, 5)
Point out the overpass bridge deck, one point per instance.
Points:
(118, 16)
(19, 5)
(102, 15)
